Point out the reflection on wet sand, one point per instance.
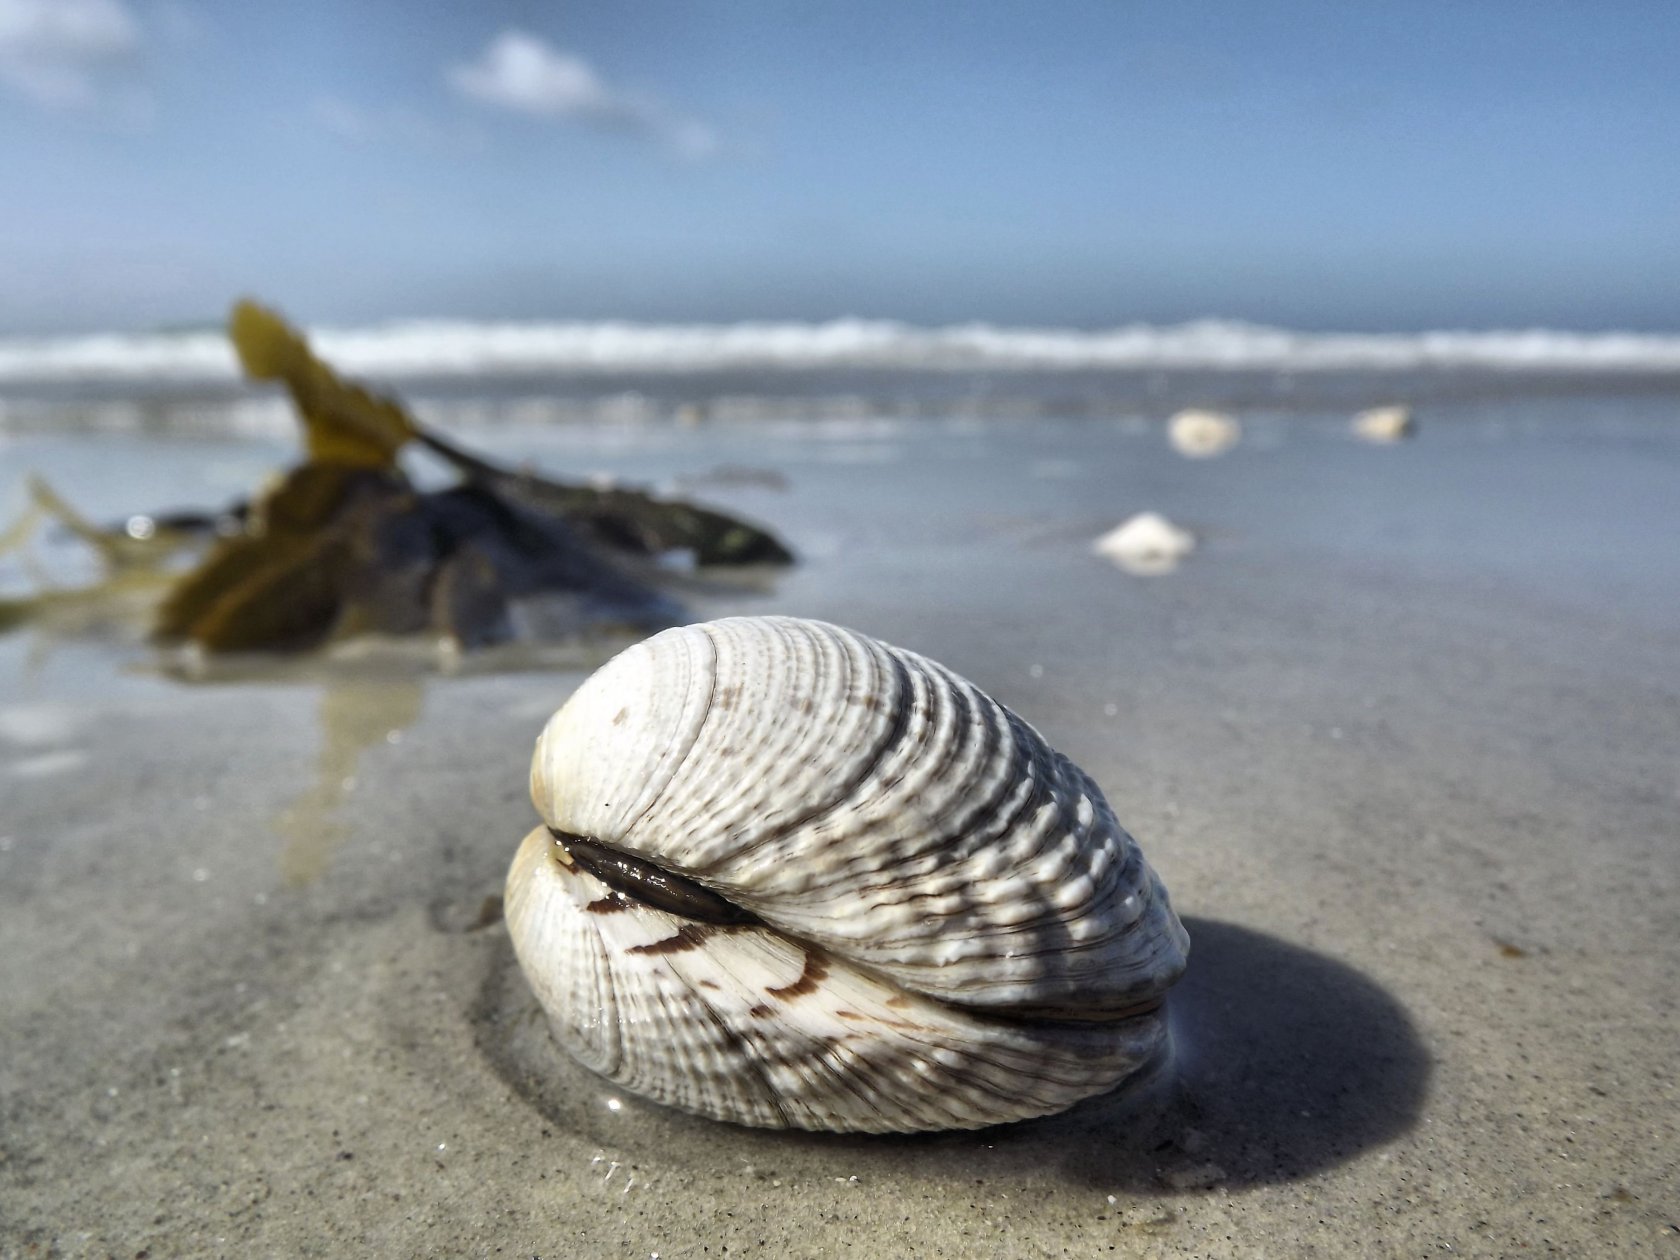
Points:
(355, 714)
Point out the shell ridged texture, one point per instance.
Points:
(745, 1025)
(895, 829)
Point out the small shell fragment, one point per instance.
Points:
(1146, 545)
(1199, 434)
(1384, 425)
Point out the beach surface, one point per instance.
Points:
(1400, 736)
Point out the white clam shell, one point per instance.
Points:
(1384, 425)
(1146, 545)
(953, 929)
(1198, 434)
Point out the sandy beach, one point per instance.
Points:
(1399, 735)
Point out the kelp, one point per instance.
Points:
(342, 422)
(345, 423)
(345, 544)
(143, 543)
(623, 517)
(135, 568)
(337, 550)
(282, 581)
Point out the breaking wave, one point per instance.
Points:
(429, 348)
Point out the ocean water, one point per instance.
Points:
(420, 348)
(1563, 482)
(466, 375)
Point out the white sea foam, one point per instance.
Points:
(440, 348)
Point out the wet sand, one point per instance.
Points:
(1399, 736)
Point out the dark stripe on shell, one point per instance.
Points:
(643, 882)
(842, 792)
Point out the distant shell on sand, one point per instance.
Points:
(1199, 434)
(1385, 424)
(1146, 544)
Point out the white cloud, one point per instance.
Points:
(521, 73)
(68, 54)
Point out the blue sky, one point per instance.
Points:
(1315, 165)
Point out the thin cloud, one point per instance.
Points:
(523, 74)
(70, 55)
(342, 119)
(360, 125)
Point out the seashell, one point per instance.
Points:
(1146, 544)
(791, 876)
(1199, 434)
(1385, 424)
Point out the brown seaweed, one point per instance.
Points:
(342, 423)
(346, 545)
(121, 547)
(337, 550)
(282, 583)
(349, 424)
(623, 517)
(135, 568)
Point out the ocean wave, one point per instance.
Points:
(433, 348)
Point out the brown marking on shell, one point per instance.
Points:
(689, 936)
(761, 1011)
(813, 974)
(612, 903)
